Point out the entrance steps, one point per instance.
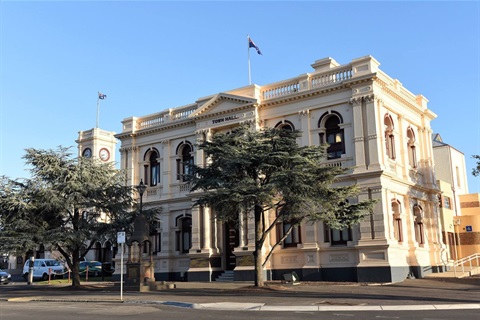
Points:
(226, 276)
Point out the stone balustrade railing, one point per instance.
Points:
(307, 82)
(162, 118)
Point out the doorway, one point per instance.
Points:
(231, 242)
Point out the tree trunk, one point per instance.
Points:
(257, 254)
(75, 274)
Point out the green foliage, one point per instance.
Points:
(67, 202)
(476, 171)
(258, 172)
(268, 168)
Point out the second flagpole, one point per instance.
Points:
(248, 49)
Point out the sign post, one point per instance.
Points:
(121, 241)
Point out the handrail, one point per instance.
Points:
(461, 262)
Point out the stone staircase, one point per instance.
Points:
(226, 276)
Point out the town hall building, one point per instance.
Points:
(373, 125)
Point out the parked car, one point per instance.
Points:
(4, 277)
(94, 268)
(43, 267)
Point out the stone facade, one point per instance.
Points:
(374, 126)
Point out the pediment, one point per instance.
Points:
(223, 103)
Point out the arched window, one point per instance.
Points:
(152, 167)
(412, 153)
(418, 224)
(389, 137)
(184, 234)
(285, 125)
(185, 161)
(333, 135)
(397, 220)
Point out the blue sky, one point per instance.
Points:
(147, 56)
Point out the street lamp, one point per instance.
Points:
(141, 190)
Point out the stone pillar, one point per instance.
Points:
(196, 236)
(207, 241)
(166, 167)
(358, 134)
(373, 129)
(305, 123)
(241, 229)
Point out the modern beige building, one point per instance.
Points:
(374, 126)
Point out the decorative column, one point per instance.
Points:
(358, 135)
(166, 168)
(373, 129)
(305, 123)
(196, 221)
(206, 230)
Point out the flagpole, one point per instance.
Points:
(98, 108)
(248, 48)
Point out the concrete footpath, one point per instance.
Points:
(412, 294)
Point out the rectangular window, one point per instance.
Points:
(293, 238)
(155, 174)
(447, 203)
(337, 237)
(459, 184)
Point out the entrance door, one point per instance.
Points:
(231, 242)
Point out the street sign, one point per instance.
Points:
(468, 228)
(121, 237)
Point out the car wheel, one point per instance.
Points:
(45, 277)
(95, 274)
(25, 276)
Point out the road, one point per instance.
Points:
(114, 311)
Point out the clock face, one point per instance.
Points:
(104, 154)
(87, 152)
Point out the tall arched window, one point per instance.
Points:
(333, 134)
(389, 137)
(397, 220)
(185, 161)
(184, 234)
(152, 167)
(412, 153)
(418, 224)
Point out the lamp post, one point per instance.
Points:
(141, 190)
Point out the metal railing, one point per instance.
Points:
(461, 263)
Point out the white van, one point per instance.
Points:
(42, 267)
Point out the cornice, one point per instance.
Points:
(164, 127)
(396, 96)
(222, 112)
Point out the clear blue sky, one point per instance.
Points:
(152, 55)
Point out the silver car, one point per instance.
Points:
(4, 277)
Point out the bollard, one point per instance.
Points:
(49, 274)
(86, 274)
(68, 275)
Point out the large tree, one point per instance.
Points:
(67, 203)
(264, 171)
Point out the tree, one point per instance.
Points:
(265, 171)
(66, 204)
(476, 171)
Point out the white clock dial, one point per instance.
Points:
(104, 154)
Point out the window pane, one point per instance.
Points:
(335, 235)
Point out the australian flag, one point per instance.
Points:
(252, 44)
(101, 96)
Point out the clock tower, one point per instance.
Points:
(97, 143)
